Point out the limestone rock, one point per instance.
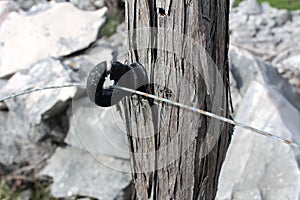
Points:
(88, 5)
(81, 4)
(257, 167)
(6, 7)
(271, 34)
(245, 68)
(97, 130)
(2, 104)
(40, 105)
(78, 173)
(57, 31)
(26, 5)
(250, 7)
(17, 148)
(83, 64)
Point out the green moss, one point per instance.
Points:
(283, 4)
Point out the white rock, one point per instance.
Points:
(282, 16)
(292, 62)
(43, 104)
(274, 33)
(78, 173)
(103, 51)
(18, 147)
(26, 5)
(267, 8)
(2, 104)
(245, 67)
(97, 130)
(7, 7)
(250, 7)
(58, 31)
(88, 5)
(257, 167)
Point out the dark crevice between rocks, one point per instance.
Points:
(3, 107)
(20, 180)
(57, 127)
(7, 77)
(80, 52)
(126, 193)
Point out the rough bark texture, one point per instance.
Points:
(176, 153)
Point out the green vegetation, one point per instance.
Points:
(287, 4)
(111, 25)
(11, 188)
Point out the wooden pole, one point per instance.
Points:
(175, 153)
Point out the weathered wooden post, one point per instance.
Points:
(175, 153)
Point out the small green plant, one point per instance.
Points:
(283, 4)
(237, 2)
(4, 190)
(7, 192)
(111, 25)
(11, 187)
(41, 190)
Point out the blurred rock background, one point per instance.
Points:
(56, 144)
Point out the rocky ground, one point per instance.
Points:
(82, 149)
(270, 34)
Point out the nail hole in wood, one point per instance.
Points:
(162, 12)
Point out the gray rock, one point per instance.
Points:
(296, 17)
(257, 167)
(81, 4)
(58, 31)
(246, 68)
(291, 69)
(76, 172)
(2, 83)
(282, 16)
(7, 7)
(236, 96)
(26, 5)
(43, 104)
(280, 35)
(267, 8)
(103, 51)
(273, 35)
(37, 117)
(250, 7)
(88, 5)
(2, 104)
(17, 149)
(292, 62)
(97, 130)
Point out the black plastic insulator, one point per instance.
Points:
(133, 76)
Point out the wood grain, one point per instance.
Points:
(175, 153)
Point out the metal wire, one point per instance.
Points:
(194, 109)
(203, 112)
(40, 89)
